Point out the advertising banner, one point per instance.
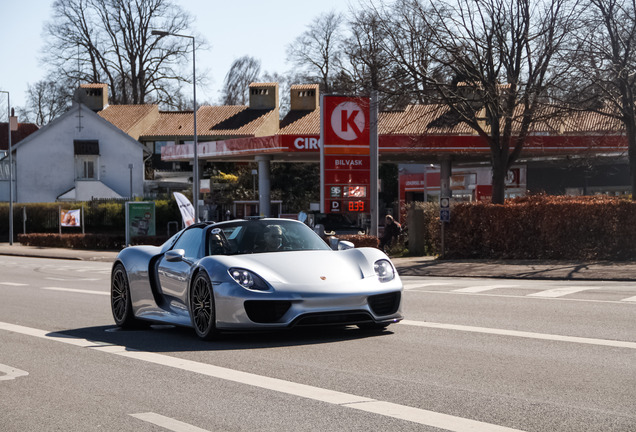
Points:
(186, 208)
(70, 218)
(141, 218)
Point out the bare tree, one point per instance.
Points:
(317, 51)
(491, 62)
(110, 41)
(46, 100)
(369, 66)
(605, 66)
(244, 71)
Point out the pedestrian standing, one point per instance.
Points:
(392, 230)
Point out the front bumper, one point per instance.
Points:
(363, 302)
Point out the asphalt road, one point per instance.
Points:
(472, 355)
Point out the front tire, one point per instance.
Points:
(120, 302)
(202, 311)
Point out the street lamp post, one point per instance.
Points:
(10, 168)
(195, 167)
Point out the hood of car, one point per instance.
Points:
(306, 267)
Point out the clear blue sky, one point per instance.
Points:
(259, 28)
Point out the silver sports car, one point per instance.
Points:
(254, 274)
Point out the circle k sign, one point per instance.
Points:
(346, 121)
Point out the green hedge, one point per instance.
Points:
(540, 227)
(100, 217)
(86, 241)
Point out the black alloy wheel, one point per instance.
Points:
(202, 307)
(120, 302)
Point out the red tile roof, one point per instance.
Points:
(301, 123)
(126, 117)
(24, 130)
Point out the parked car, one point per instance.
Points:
(254, 274)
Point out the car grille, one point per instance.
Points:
(266, 311)
(385, 304)
(332, 318)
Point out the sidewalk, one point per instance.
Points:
(518, 269)
(415, 266)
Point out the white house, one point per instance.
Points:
(79, 156)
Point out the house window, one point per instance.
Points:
(85, 167)
(86, 159)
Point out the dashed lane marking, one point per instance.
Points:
(72, 279)
(167, 422)
(482, 288)
(415, 285)
(104, 293)
(13, 284)
(522, 334)
(560, 292)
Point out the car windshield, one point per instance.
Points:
(262, 235)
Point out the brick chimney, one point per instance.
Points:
(304, 97)
(263, 96)
(95, 96)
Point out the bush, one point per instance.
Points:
(87, 241)
(100, 217)
(542, 227)
(361, 240)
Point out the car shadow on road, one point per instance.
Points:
(165, 338)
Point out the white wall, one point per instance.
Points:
(46, 162)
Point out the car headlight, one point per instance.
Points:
(384, 270)
(247, 279)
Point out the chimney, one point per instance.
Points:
(263, 96)
(304, 97)
(95, 96)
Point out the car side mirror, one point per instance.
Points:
(344, 245)
(175, 255)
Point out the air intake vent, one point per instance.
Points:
(266, 311)
(385, 304)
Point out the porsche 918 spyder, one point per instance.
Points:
(253, 274)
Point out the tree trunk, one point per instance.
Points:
(499, 170)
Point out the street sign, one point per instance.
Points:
(444, 209)
(444, 215)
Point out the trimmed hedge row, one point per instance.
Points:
(361, 240)
(541, 227)
(116, 242)
(86, 241)
(100, 217)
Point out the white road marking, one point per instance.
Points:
(522, 334)
(523, 297)
(71, 279)
(482, 288)
(167, 422)
(629, 299)
(560, 292)
(105, 293)
(13, 284)
(415, 415)
(10, 373)
(414, 285)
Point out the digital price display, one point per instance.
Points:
(354, 192)
(355, 206)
